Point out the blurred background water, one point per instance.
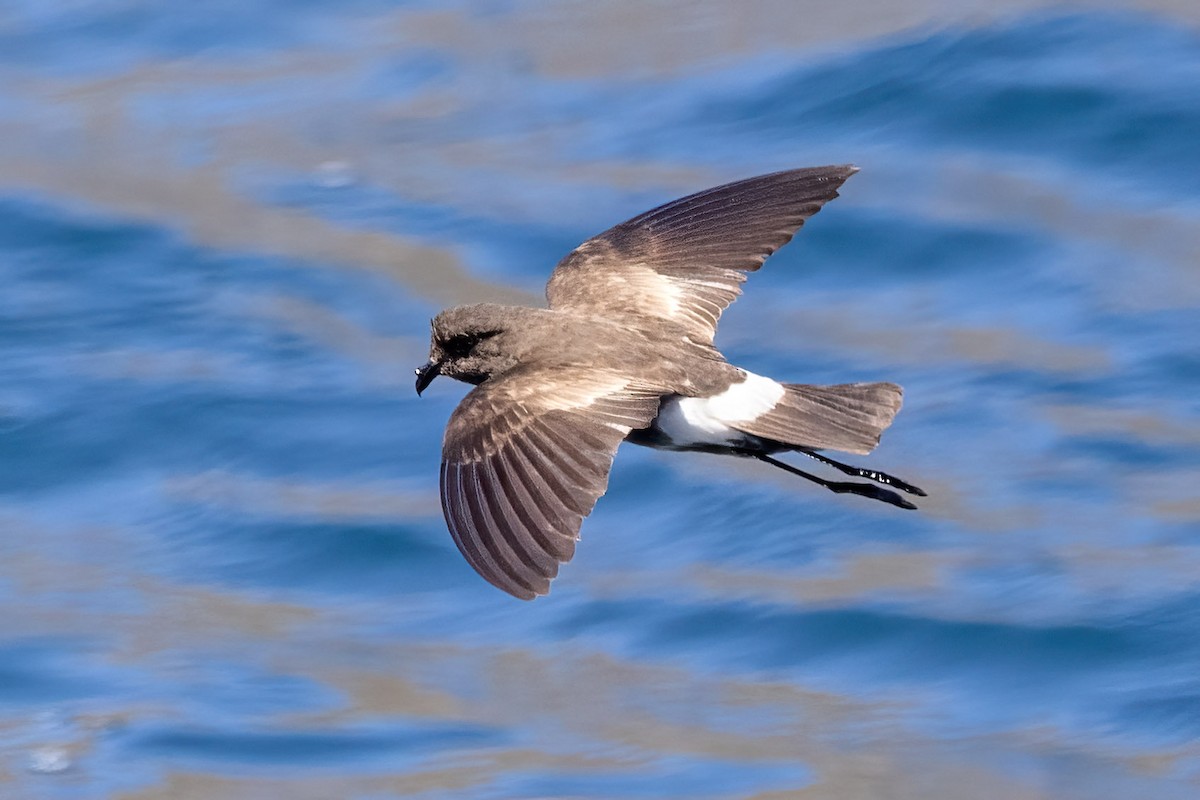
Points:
(223, 570)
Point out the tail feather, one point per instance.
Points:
(849, 417)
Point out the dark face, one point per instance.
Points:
(463, 345)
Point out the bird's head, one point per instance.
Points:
(468, 343)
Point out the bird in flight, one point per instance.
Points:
(625, 352)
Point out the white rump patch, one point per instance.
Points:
(708, 420)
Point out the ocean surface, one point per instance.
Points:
(223, 569)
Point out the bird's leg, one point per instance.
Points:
(841, 487)
(869, 474)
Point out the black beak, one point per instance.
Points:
(426, 374)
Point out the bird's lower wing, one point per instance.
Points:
(524, 460)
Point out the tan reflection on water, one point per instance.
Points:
(622, 39)
(394, 357)
(100, 152)
(386, 362)
(1169, 494)
(907, 573)
(1138, 424)
(905, 337)
(314, 501)
(92, 142)
(1155, 248)
(588, 711)
(951, 497)
(585, 711)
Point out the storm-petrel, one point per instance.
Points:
(625, 352)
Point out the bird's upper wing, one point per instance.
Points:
(525, 458)
(685, 261)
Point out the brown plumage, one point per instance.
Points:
(625, 352)
(849, 416)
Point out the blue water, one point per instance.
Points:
(223, 569)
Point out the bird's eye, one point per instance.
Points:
(460, 345)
